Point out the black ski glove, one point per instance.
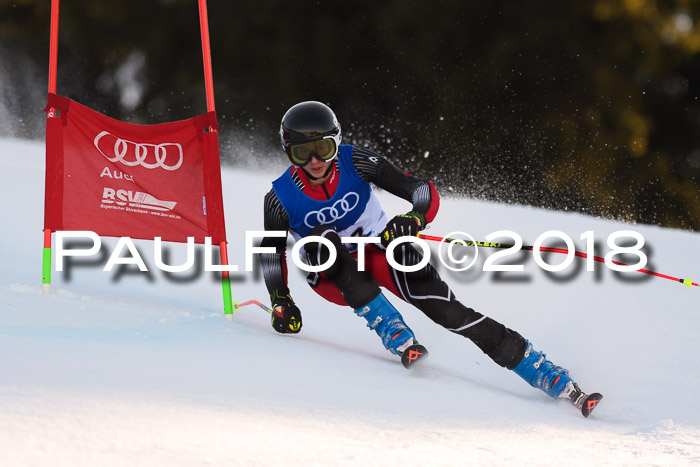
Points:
(286, 317)
(404, 224)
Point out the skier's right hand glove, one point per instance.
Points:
(286, 317)
(405, 224)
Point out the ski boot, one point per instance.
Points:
(554, 380)
(542, 374)
(387, 322)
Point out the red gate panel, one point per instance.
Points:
(123, 180)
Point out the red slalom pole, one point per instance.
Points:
(209, 86)
(53, 46)
(686, 282)
(206, 55)
(53, 64)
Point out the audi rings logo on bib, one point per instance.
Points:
(332, 213)
(168, 156)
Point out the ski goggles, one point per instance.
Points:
(324, 149)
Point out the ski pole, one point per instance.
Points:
(687, 282)
(237, 305)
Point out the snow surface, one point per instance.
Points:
(132, 369)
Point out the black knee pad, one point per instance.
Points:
(317, 253)
(313, 248)
(357, 287)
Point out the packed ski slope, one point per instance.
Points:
(126, 368)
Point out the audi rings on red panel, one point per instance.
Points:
(167, 156)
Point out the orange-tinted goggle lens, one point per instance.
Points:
(324, 149)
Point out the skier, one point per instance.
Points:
(326, 192)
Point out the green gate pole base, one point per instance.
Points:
(228, 306)
(46, 271)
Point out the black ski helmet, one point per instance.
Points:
(306, 122)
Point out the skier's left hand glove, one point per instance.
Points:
(286, 317)
(404, 224)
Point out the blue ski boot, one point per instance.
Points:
(387, 322)
(543, 374)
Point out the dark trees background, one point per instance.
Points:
(586, 105)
